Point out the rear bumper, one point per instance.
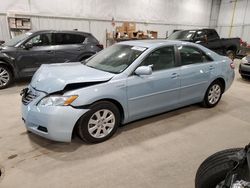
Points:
(244, 69)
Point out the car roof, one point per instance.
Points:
(154, 43)
(58, 31)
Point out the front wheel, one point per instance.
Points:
(99, 123)
(6, 77)
(212, 172)
(213, 94)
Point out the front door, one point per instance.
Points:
(158, 92)
(40, 52)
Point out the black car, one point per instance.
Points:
(210, 39)
(244, 67)
(22, 55)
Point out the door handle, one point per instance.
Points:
(174, 75)
(211, 67)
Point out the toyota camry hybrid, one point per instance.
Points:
(125, 82)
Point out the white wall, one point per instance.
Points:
(239, 26)
(95, 15)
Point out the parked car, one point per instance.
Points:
(210, 39)
(228, 168)
(125, 82)
(24, 54)
(244, 67)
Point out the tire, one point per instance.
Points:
(6, 77)
(215, 168)
(245, 77)
(207, 101)
(90, 122)
(231, 54)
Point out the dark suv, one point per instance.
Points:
(22, 55)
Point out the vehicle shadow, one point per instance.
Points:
(243, 80)
(130, 134)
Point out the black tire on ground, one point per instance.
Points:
(83, 127)
(6, 76)
(206, 103)
(231, 54)
(245, 77)
(215, 168)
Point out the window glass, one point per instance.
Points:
(41, 40)
(116, 58)
(182, 35)
(192, 55)
(163, 58)
(66, 38)
(200, 34)
(211, 34)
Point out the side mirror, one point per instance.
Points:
(143, 70)
(28, 45)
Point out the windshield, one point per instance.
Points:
(14, 41)
(182, 35)
(116, 58)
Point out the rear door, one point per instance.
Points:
(41, 52)
(195, 73)
(158, 92)
(68, 46)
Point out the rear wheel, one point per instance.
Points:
(214, 169)
(99, 123)
(6, 76)
(213, 94)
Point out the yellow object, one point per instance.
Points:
(70, 100)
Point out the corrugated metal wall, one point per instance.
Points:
(234, 19)
(3, 28)
(95, 15)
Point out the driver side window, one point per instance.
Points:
(161, 59)
(41, 40)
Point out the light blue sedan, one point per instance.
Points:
(125, 82)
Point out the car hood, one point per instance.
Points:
(55, 77)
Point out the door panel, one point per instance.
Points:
(29, 60)
(194, 81)
(158, 92)
(148, 95)
(69, 47)
(194, 74)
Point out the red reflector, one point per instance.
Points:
(232, 65)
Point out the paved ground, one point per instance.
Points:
(161, 151)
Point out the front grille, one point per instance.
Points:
(28, 97)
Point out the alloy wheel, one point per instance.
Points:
(4, 77)
(214, 94)
(101, 123)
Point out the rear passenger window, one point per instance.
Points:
(163, 58)
(192, 55)
(66, 38)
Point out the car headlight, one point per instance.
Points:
(57, 100)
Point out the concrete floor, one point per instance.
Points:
(161, 151)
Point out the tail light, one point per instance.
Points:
(100, 46)
(232, 65)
